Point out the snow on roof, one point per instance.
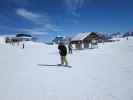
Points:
(81, 36)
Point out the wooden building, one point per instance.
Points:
(18, 38)
(83, 40)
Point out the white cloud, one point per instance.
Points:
(52, 27)
(42, 22)
(26, 14)
(36, 18)
(75, 21)
(74, 13)
(43, 30)
(38, 33)
(73, 5)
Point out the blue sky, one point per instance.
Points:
(48, 18)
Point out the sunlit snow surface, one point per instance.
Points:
(105, 73)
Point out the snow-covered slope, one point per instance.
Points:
(105, 73)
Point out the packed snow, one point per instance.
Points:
(104, 73)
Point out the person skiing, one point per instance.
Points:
(63, 52)
(70, 48)
(23, 45)
(127, 37)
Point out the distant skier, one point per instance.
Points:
(127, 37)
(23, 45)
(70, 48)
(63, 52)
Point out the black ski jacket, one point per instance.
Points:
(62, 50)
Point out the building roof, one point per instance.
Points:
(81, 36)
(23, 35)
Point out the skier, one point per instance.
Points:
(70, 48)
(63, 52)
(127, 37)
(23, 46)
